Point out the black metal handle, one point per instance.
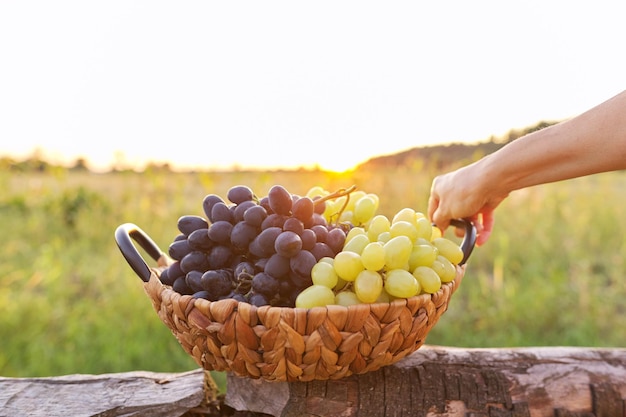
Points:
(123, 235)
(469, 239)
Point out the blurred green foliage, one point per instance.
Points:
(552, 273)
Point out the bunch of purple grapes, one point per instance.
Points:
(259, 251)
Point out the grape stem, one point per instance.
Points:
(339, 193)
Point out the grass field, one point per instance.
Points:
(552, 273)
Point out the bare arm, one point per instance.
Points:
(590, 143)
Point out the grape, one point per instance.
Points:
(221, 212)
(397, 252)
(444, 268)
(357, 243)
(424, 228)
(240, 193)
(336, 239)
(178, 249)
(348, 265)
(315, 296)
(368, 285)
(241, 236)
(364, 209)
(373, 256)
(265, 284)
(243, 270)
(422, 254)
(449, 250)
(171, 273)
(220, 256)
(193, 280)
(273, 220)
(288, 244)
(428, 279)
(189, 223)
(401, 283)
(277, 266)
(309, 239)
(199, 240)
(404, 228)
(303, 209)
(240, 209)
(258, 300)
(294, 225)
(208, 203)
(255, 215)
(302, 263)
(217, 282)
(280, 200)
(321, 250)
(406, 214)
(194, 261)
(321, 232)
(219, 231)
(266, 241)
(378, 225)
(323, 273)
(346, 298)
(180, 286)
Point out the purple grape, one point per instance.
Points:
(265, 284)
(179, 249)
(293, 225)
(277, 266)
(280, 200)
(240, 193)
(288, 244)
(220, 231)
(255, 215)
(309, 239)
(194, 261)
(241, 236)
(189, 223)
(302, 263)
(208, 203)
(303, 209)
(200, 240)
(221, 211)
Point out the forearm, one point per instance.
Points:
(588, 144)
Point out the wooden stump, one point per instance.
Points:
(432, 382)
(452, 382)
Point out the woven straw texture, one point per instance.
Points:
(295, 344)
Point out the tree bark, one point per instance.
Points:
(432, 382)
(454, 382)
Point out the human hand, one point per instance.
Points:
(460, 194)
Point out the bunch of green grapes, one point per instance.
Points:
(382, 259)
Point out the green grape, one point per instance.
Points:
(348, 265)
(323, 273)
(428, 279)
(373, 256)
(315, 296)
(357, 243)
(407, 214)
(353, 198)
(424, 228)
(404, 228)
(384, 297)
(364, 210)
(384, 237)
(401, 283)
(316, 191)
(379, 224)
(354, 232)
(346, 217)
(422, 254)
(368, 286)
(346, 298)
(397, 252)
(449, 249)
(435, 233)
(341, 284)
(444, 268)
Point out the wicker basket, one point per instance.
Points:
(289, 344)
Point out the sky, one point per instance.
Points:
(286, 84)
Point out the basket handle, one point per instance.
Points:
(123, 235)
(469, 239)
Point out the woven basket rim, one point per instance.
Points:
(365, 307)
